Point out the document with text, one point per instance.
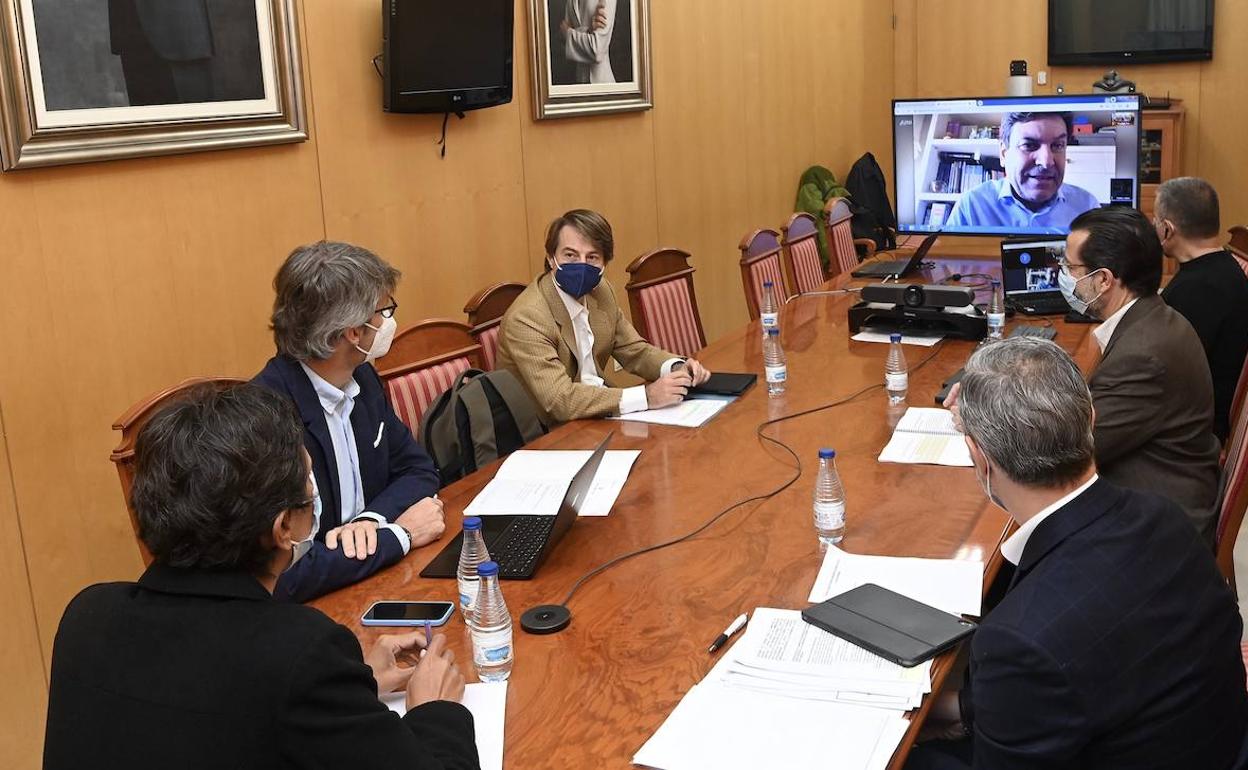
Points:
(691, 413)
(952, 585)
(927, 436)
(533, 482)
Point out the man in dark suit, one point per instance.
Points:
(1152, 388)
(1210, 289)
(332, 316)
(166, 47)
(195, 665)
(1116, 644)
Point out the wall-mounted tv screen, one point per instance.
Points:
(1014, 165)
(1116, 31)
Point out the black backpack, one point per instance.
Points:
(483, 416)
(868, 201)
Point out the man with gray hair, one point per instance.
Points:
(1210, 289)
(332, 317)
(1116, 644)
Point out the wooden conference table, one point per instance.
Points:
(592, 694)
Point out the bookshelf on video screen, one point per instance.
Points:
(1012, 166)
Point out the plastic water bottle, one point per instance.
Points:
(471, 557)
(773, 363)
(896, 378)
(769, 311)
(492, 654)
(996, 312)
(829, 501)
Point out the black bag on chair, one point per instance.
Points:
(868, 200)
(483, 416)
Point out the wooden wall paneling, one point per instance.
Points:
(452, 225)
(700, 145)
(905, 55)
(1222, 155)
(23, 699)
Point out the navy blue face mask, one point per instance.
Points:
(577, 278)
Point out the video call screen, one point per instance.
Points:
(1014, 166)
(1027, 268)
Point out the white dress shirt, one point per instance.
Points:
(1103, 332)
(632, 399)
(1012, 548)
(338, 404)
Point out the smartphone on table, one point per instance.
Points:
(408, 614)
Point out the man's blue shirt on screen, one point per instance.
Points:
(992, 204)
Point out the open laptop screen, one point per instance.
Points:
(1031, 267)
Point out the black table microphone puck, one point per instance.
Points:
(546, 619)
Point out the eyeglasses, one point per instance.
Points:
(388, 310)
(1066, 265)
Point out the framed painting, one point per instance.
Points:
(89, 80)
(589, 56)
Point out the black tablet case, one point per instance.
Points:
(725, 384)
(893, 626)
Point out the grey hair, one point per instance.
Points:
(323, 289)
(1191, 204)
(1024, 402)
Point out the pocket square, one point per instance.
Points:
(380, 429)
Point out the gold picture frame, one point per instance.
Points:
(595, 66)
(55, 116)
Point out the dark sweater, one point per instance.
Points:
(1211, 292)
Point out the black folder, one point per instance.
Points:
(725, 384)
(893, 626)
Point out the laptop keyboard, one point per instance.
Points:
(518, 548)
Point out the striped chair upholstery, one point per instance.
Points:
(842, 254)
(662, 301)
(760, 262)
(489, 345)
(842, 242)
(671, 321)
(801, 253)
(1233, 496)
(413, 393)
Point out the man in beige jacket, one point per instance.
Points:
(560, 332)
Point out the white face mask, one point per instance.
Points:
(381, 340)
(302, 547)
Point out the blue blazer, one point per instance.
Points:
(395, 472)
(1116, 646)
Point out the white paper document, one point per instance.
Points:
(952, 585)
(927, 436)
(924, 340)
(691, 413)
(715, 726)
(533, 482)
(488, 703)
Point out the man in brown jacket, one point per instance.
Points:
(1152, 390)
(560, 332)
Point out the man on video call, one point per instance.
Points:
(1031, 197)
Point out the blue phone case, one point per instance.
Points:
(441, 621)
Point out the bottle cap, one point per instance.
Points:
(996, 282)
(487, 568)
(472, 522)
(773, 332)
(768, 283)
(894, 338)
(827, 454)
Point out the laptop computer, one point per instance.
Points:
(520, 543)
(898, 268)
(1029, 269)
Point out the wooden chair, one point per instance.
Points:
(423, 362)
(1239, 246)
(842, 254)
(485, 315)
(800, 251)
(663, 303)
(760, 262)
(132, 421)
(1232, 497)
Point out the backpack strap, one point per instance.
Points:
(441, 433)
(519, 403)
(484, 439)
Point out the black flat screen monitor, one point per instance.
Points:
(956, 171)
(446, 57)
(1126, 31)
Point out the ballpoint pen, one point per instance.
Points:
(732, 628)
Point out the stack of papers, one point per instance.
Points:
(788, 694)
(488, 703)
(927, 339)
(533, 483)
(927, 437)
(952, 585)
(690, 413)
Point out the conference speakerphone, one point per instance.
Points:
(891, 307)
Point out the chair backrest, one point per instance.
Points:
(485, 313)
(133, 420)
(842, 256)
(760, 261)
(1237, 401)
(1239, 246)
(800, 249)
(663, 303)
(424, 360)
(1233, 496)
